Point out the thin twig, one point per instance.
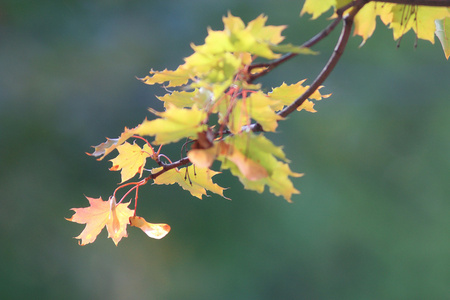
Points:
(167, 167)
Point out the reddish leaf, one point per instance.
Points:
(100, 214)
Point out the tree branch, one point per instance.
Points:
(337, 53)
(418, 2)
(167, 167)
(308, 44)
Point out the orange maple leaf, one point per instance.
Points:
(156, 231)
(100, 214)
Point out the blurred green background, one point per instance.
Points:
(373, 219)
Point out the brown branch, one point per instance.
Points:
(337, 53)
(418, 2)
(167, 167)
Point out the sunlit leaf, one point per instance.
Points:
(443, 33)
(249, 168)
(131, 160)
(107, 147)
(174, 124)
(365, 19)
(203, 158)
(156, 231)
(317, 8)
(175, 78)
(260, 150)
(419, 18)
(286, 94)
(99, 214)
(193, 179)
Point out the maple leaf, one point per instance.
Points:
(443, 33)
(259, 106)
(156, 231)
(213, 68)
(101, 149)
(286, 94)
(175, 123)
(268, 34)
(131, 160)
(179, 99)
(100, 214)
(196, 181)
(365, 19)
(256, 38)
(203, 158)
(317, 8)
(256, 106)
(419, 18)
(107, 147)
(262, 151)
(175, 78)
(249, 168)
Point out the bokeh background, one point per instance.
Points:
(373, 219)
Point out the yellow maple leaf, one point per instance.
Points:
(175, 123)
(175, 78)
(156, 231)
(317, 8)
(193, 179)
(100, 214)
(419, 18)
(131, 160)
(257, 106)
(286, 94)
(365, 19)
(270, 34)
(179, 99)
(107, 147)
(260, 108)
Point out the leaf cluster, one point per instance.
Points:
(216, 113)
